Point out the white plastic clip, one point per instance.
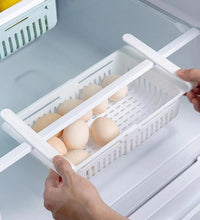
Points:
(31, 137)
(158, 59)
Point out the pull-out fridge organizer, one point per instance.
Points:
(24, 22)
(152, 102)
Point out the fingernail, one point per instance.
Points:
(57, 159)
(181, 72)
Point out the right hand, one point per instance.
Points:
(192, 75)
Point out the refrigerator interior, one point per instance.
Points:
(87, 32)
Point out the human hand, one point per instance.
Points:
(192, 75)
(71, 197)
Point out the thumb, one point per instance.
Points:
(190, 75)
(63, 168)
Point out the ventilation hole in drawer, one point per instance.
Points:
(4, 48)
(132, 144)
(76, 96)
(129, 105)
(125, 148)
(126, 120)
(87, 174)
(114, 155)
(99, 166)
(144, 85)
(16, 41)
(121, 117)
(166, 118)
(133, 108)
(142, 136)
(46, 23)
(29, 33)
(55, 109)
(23, 38)
(99, 80)
(104, 162)
(127, 113)
(123, 103)
(109, 159)
(34, 30)
(156, 125)
(120, 151)
(161, 121)
(10, 44)
(40, 26)
(171, 115)
(93, 170)
(147, 133)
(136, 140)
(151, 130)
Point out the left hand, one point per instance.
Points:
(70, 196)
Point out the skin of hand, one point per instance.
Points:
(71, 197)
(192, 75)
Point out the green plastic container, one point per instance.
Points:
(27, 27)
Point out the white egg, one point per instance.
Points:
(91, 90)
(58, 145)
(76, 135)
(77, 156)
(104, 130)
(118, 95)
(45, 121)
(70, 104)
